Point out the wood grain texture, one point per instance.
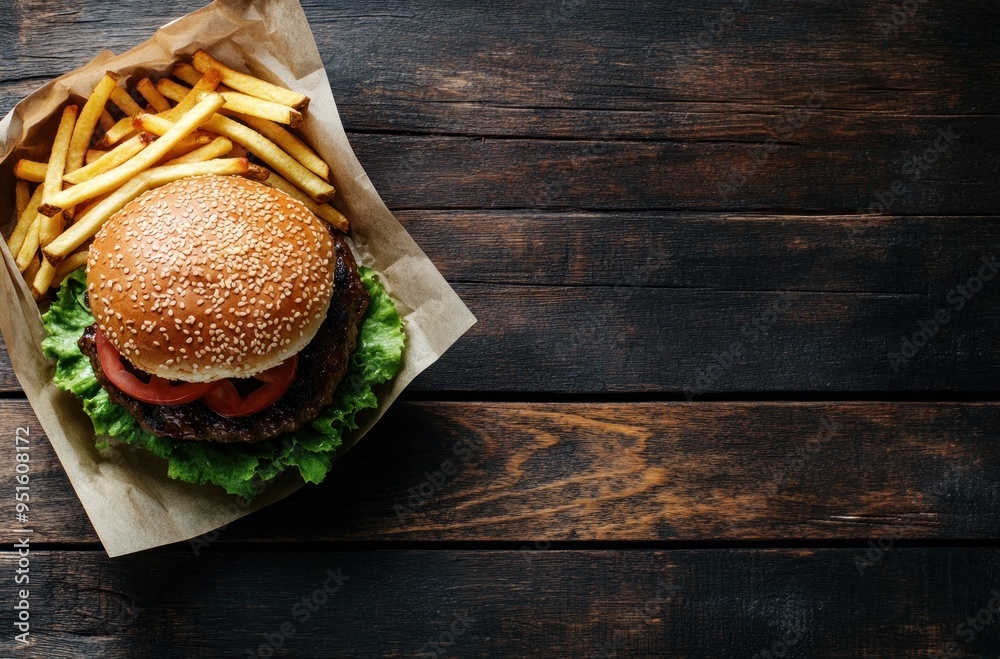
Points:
(641, 302)
(722, 603)
(633, 472)
(704, 251)
(483, 112)
(691, 342)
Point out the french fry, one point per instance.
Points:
(208, 83)
(257, 173)
(248, 84)
(237, 102)
(31, 271)
(24, 222)
(217, 148)
(106, 121)
(108, 161)
(143, 160)
(92, 155)
(121, 130)
(291, 144)
(29, 248)
(52, 226)
(87, 120)
(125, 103)
(42, 279)
(22, 196)
(255, 107)
(195, 140)
(74, 261)
(260, 146)
(187, 73)
(94, 219)
(152, 95)
(29, 170)
(325, 212)
(123, 127)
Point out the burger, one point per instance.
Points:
(221, 325)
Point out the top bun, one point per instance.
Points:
(211, 277)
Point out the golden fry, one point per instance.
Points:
(73, 262)
(143, 160)
(52, 185)
(121, 130)
(108, 161)
(24, 222)
(323, 211)
(94, 219)
(206, 84)
(106, 121)
(260, 146)
(29, 170)
(125, 103)
(186, 73)
(241, 103)
(217, 148)
(93, 155)
(291, 144)
(22, 196)
(257, 173)
(87, 121)
(42, 279)
(31, 271)
(152, 96)
(29, 248)
(250, 85)
(195, 140)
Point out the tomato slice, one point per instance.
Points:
(158, 391)
(226, 401)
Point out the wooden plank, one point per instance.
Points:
(691, 343)
(706, 251)
(646, 301)
(640, 121)
(639, 56)
(621, 472)
(693, 603)
(457, 172)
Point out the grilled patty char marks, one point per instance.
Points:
(321, 367)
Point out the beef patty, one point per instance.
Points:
(321, 367)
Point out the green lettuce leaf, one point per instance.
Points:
(239, 469)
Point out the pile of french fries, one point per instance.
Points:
(207, 121)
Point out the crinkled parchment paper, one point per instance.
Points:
(131, 502)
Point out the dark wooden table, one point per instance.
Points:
(695, 235)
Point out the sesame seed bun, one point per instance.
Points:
(211, 277)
